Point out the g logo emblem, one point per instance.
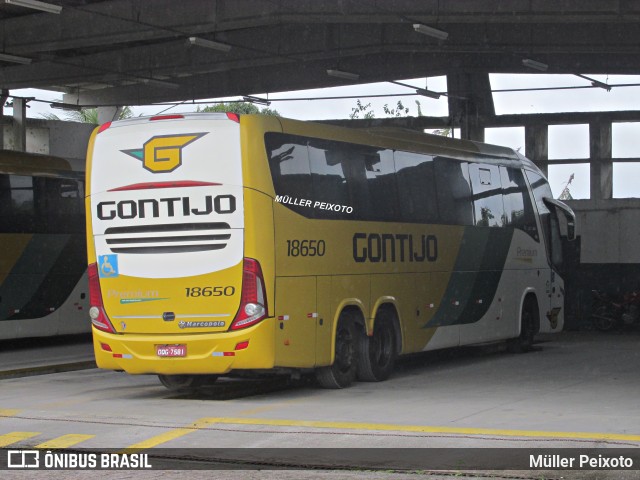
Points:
(163, 153)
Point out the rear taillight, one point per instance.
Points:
(104, 126)
(253, 303)
(234, 117)
(99, 318)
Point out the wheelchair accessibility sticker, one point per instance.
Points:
(108, 266)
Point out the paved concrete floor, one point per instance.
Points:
(579, 390)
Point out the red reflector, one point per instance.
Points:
(117, 355)
(150, 185)
(166, 117)
(229, 354)
(106, 347)
(242, 345)
(104, 126)
(234, 117)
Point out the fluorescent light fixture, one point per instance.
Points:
(36, 5)
(427, 93)
(341, 74)
(66, 106)
(527, 62)
(159, 83)
(430, 31)
(204, 43)
(258, 100)
(5, 57)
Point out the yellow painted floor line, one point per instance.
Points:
(9, 412)
(15, 437)
(171, 434)
(423, 429)
(65, 441)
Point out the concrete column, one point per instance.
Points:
(472, 129)
(536, 140)
(20, 124)
(600, 163)
(108, 114)
(4, 95)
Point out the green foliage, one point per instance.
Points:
(360, 109)
(86, 115)
(399, 111)
(365, 111)
(242, 108)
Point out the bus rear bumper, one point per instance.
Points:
(214, 353)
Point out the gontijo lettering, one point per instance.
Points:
(165, 207)
(399, 247)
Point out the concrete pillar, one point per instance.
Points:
(472, 129)
(20, 124)
(108, 114)
(4, 95)
(600, 163)
(536, 141)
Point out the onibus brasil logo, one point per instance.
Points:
(163, 153)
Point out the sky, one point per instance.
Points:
(570, 141)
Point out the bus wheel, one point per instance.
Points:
(343, 371)
(186, 383)
(377, 354)
(528, 330)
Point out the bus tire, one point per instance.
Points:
(342, 373)
(186, 383)
(377, 354)
(529, 318)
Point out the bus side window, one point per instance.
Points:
(541, 189)
(517, 202)
(328, 178)
(454, 191)
(289, 165)
(487, 195)
(18, 208)
(61, 205)
(416, 187)
(380, 173)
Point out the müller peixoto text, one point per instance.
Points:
(579, 461)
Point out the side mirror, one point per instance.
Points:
(566, 210)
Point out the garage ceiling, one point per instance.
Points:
(134, 52)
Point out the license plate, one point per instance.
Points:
(171, 350)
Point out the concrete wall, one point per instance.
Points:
(53, 137)
(604, 257)
(609, 230)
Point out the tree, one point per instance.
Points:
(238, 107)
(86, 115)
(365, 111)
(359, 109)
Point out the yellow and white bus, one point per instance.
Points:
(43, 281)
(220, 243)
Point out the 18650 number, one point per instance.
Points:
(210, 291)
(306, 248)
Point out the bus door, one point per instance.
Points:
(555, 285)
(548, 210)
